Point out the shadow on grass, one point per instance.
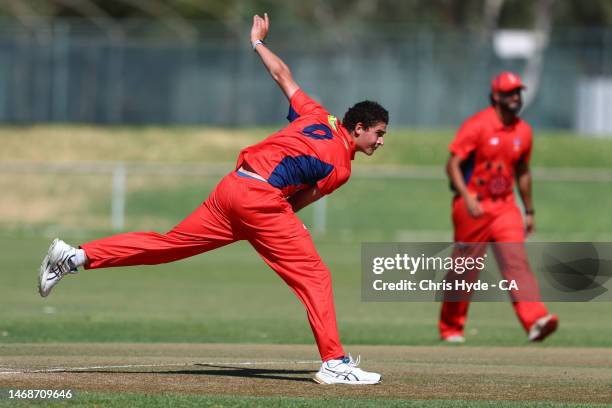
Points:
(221, 371)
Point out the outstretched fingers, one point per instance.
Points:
(260, 27)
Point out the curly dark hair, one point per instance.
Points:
(369, 113)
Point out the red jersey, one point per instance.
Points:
(490, 152)
(313, 150)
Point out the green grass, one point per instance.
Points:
(550, 149)
(363, 210)
(229, 295)
(207, 145)
(88, 399)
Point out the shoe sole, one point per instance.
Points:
(549, 328)
(43, 273)
(320, 380)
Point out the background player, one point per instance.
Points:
(257, 202)
(492, 148)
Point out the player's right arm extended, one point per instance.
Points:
(453, 169)
(277, 68)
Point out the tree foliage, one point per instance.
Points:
(452, 14)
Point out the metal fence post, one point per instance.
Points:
(320, 216)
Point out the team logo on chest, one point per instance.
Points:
(517, 144)
(494, 141)
(332, 122)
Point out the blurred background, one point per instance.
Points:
(120, 115)
(186, 61)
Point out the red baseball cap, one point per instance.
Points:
(506, 81)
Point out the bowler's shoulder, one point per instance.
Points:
(481, 117)
(474, 124)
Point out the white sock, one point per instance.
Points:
(79, 258)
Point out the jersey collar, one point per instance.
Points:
(497, 123)
(349, 143)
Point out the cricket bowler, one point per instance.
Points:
(257, 202)
(490, 150)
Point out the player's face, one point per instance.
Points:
(369, 139)
(511, 101)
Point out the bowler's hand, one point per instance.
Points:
(473, 206)
(529, 224)
(260, 27)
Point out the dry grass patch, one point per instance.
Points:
(155, 144)
(53, 199)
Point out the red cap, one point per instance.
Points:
(506, 82)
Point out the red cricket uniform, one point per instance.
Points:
(315, 149)
(490, 152)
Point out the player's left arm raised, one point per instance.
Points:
(523, 177)
(277, 68)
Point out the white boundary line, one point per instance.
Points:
(106, 367)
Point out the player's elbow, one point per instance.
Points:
(452, 165)
(524, 180)
(281, 74)
(523, 171)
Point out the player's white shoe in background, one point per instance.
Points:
(345, 371)
(59, 261)
(454, 339)
(543, 327)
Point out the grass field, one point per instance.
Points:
(279, 375)
(196, 145)
(228, 307)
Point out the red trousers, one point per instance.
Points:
(501, 222)
(240, 208)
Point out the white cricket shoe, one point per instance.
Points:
(58, 262)
(454, 339)
(543, 327)
(345, 371)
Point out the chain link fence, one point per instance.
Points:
(66, 71)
